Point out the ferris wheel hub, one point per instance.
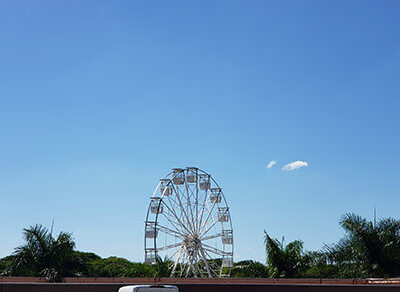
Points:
(192, 245)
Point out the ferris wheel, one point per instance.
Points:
(188, 222)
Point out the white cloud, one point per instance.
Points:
(271, 163)
(295, 165)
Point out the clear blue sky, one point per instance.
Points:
(100, 99)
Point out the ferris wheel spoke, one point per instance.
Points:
(177, 260)
(171, 201)
(182, 208)
(175, 252)
(214, 266)
(169, 246)
(195, 206)
(202, 226)
(189, 207)
(203, 207)
(188, 269)
(170, 231)
(211, 236)
(169, 216)
(203, 255)
(188, 197)
(215, 250)
(176, 217)
(194, 265)
(171, 198)
(174, 205)
(213, 222)
(172, 225)
(197, 203)
(190, 202)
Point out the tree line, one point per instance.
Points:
(367, 249)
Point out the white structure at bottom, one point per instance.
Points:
(149, 288)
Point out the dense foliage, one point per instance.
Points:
(366, 250)
(42, 255)
(249, 269)
(286, 261)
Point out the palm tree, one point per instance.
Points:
(286, 261)
(43, 255)
(163, 267)
(367, 249)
